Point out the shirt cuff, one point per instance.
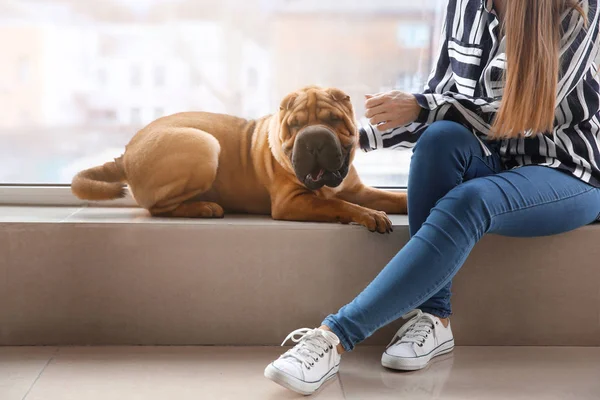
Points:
(427, 103)
(368, 138)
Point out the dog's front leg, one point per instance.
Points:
(354, 191)
(377, 199)
(306, 206)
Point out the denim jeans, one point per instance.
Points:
(456, 195)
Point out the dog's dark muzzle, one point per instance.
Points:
(318, 158)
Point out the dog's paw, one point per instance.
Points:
(210, 210)
(376, 221)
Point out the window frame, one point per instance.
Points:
(61, 196)
(52, 195)
(140, 75)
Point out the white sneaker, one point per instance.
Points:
(417, 342)
(307, 366)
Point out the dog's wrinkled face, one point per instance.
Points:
(316, 136)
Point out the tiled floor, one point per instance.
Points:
(214, 373)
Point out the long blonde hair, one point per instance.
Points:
(533, 32)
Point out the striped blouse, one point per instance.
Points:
(466, 86)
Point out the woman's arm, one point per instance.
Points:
(579, 48)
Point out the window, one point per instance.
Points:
(136, 76)
(24, 70)
(136, 117)
(25, 117)
(414, 35)
(159, 76)
(95, 73)
(102, 77)
(252, 78)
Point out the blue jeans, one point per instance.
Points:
(456, 195)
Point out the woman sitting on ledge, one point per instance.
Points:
(507, 138)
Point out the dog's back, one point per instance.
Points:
(185, 154)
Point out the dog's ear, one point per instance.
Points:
(288, 101)
(342, 98)
(338, 95)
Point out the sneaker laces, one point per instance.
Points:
(312, 345)
(415, 331)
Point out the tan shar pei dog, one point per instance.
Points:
(294, 165)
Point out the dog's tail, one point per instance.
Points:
(105, 182)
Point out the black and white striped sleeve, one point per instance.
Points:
(475, 112)
(441, 100)
(578, 50)
(579, 47)
(405, 136)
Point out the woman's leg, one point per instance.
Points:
(529, 201)
(446, 155)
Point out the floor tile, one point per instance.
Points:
(132, 373)
(479, 373)
(19, 368)
(147, 373)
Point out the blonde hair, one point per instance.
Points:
(533, 33)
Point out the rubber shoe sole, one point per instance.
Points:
(415, 363)
(295, 384)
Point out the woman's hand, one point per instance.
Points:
(391, 109)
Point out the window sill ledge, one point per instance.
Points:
(115, 276)
(134, 215)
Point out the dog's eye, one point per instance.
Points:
(334, 118)
(294, 124)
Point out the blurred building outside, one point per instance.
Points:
(79, 77)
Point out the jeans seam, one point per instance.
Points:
(541, 204)
(424, 297)
(486, 164)
(435, 311)
(347, 344)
